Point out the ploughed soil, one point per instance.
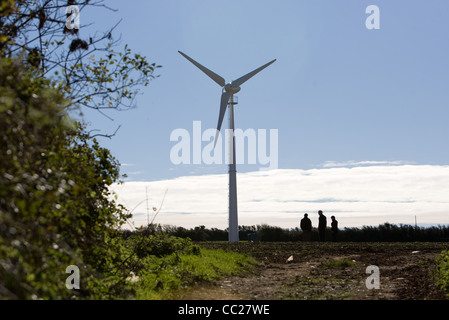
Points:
(330, 270)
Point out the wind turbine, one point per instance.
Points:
(227, 98)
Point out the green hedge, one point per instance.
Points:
(55, 207)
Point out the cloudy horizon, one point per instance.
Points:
(357, 193)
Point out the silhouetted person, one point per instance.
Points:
(334, 228)
(306, 227)
(322, 223)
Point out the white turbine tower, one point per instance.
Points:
(227, 98)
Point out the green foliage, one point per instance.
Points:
(159, 263)
(339, 264)
(55, 207)
(158, 244)
(442, 273)
(165, 274)
(29, 173)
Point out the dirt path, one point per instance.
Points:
(328, 271)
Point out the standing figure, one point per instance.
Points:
(322, 223)
(306, 227)
(334, 228)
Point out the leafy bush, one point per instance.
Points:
(159, 245)
(55, 207)
(443, 271)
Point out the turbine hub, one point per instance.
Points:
(231, 89)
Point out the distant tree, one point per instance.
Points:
(266, 233)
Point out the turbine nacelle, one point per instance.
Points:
(231, 89)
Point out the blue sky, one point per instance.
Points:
(338, 93)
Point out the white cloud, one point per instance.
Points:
(127, 164)
(362, 195)
(352, 163)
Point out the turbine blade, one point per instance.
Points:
(219, 80)
(246, 77)
(223, 105)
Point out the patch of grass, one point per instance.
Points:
(341, 264)
(176, 271)
(442, 273)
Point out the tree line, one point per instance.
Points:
(385, 232)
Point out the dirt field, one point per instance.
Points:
(328, 271)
